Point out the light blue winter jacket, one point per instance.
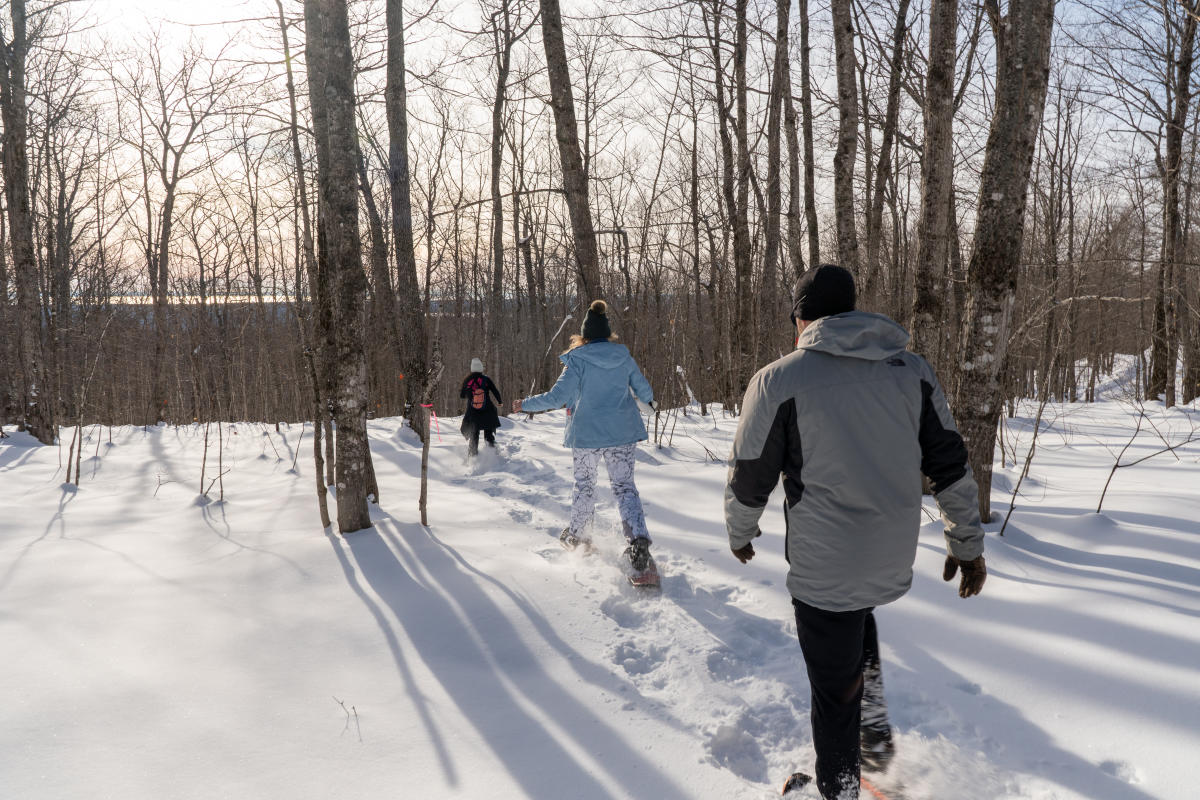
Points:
(594, 387)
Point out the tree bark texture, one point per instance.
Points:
(771, 321)
(410, 308)
(1165, 348)
(37, 407)
(502, 31)
(742, 265)
(795, 228)
(883, 168)
(1022, 74)
(331, 91)
(806, 121)
(847, 143)
(937, 179)
(566, 132)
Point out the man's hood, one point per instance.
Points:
(606, 355)
(855, 334)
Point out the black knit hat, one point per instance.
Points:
(823, 291)
(595, 322)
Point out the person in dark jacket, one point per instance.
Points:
(481, 416)
(851, 419)
(600, 386)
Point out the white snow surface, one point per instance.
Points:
(160, 644)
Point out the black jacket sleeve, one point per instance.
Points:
(767, 444)
(943, 452)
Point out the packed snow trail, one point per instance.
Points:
(166, 645)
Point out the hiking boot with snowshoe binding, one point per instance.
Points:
(638, 553)
(570, 541)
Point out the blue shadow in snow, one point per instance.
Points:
(492, 675)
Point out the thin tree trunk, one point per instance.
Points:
(795, 188)
(410, 311)
(806, 117)
(847, 143)
(769, 317)
(566, 132)
(320, 314)
(743, 268)
(883, 169)
(937, 178)
(504, 40)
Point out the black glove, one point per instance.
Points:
(974, 573)
(744, 553)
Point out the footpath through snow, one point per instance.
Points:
(159, 644)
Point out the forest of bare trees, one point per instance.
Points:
(323, 209)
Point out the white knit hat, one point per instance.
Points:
(476, 365)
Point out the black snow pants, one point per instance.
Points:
(473, 439)
(836, 647)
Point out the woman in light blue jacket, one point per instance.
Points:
(597, 387)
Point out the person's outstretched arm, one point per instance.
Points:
(564, 392)
(494, 391)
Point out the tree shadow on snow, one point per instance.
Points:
(493, 677)
(1051, 762)
(373, 556)
(1107, 568)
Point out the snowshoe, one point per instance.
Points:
(796, 783)
(643, 570)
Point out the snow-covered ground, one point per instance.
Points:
(161, 645)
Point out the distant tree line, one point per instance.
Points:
(324, 210)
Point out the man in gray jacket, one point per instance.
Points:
(851, 420)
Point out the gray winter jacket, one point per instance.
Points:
(851, 419)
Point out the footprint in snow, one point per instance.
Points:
(1122, 771)
(724, 665)
(635, 661)
(622, 612)
(736, 749)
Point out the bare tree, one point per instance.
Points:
(176, 105)
(38, 403)
(937, 178)
(1022, 73)
(506, 32)
(883, 168)
(566, 131)
(331, 97)
(410, 308)
(806, 116)
(768, 311)
(847, 142)
(1180, 61)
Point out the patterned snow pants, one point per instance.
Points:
(619, 462)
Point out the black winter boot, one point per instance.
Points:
(876, 747)
(638, 554)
